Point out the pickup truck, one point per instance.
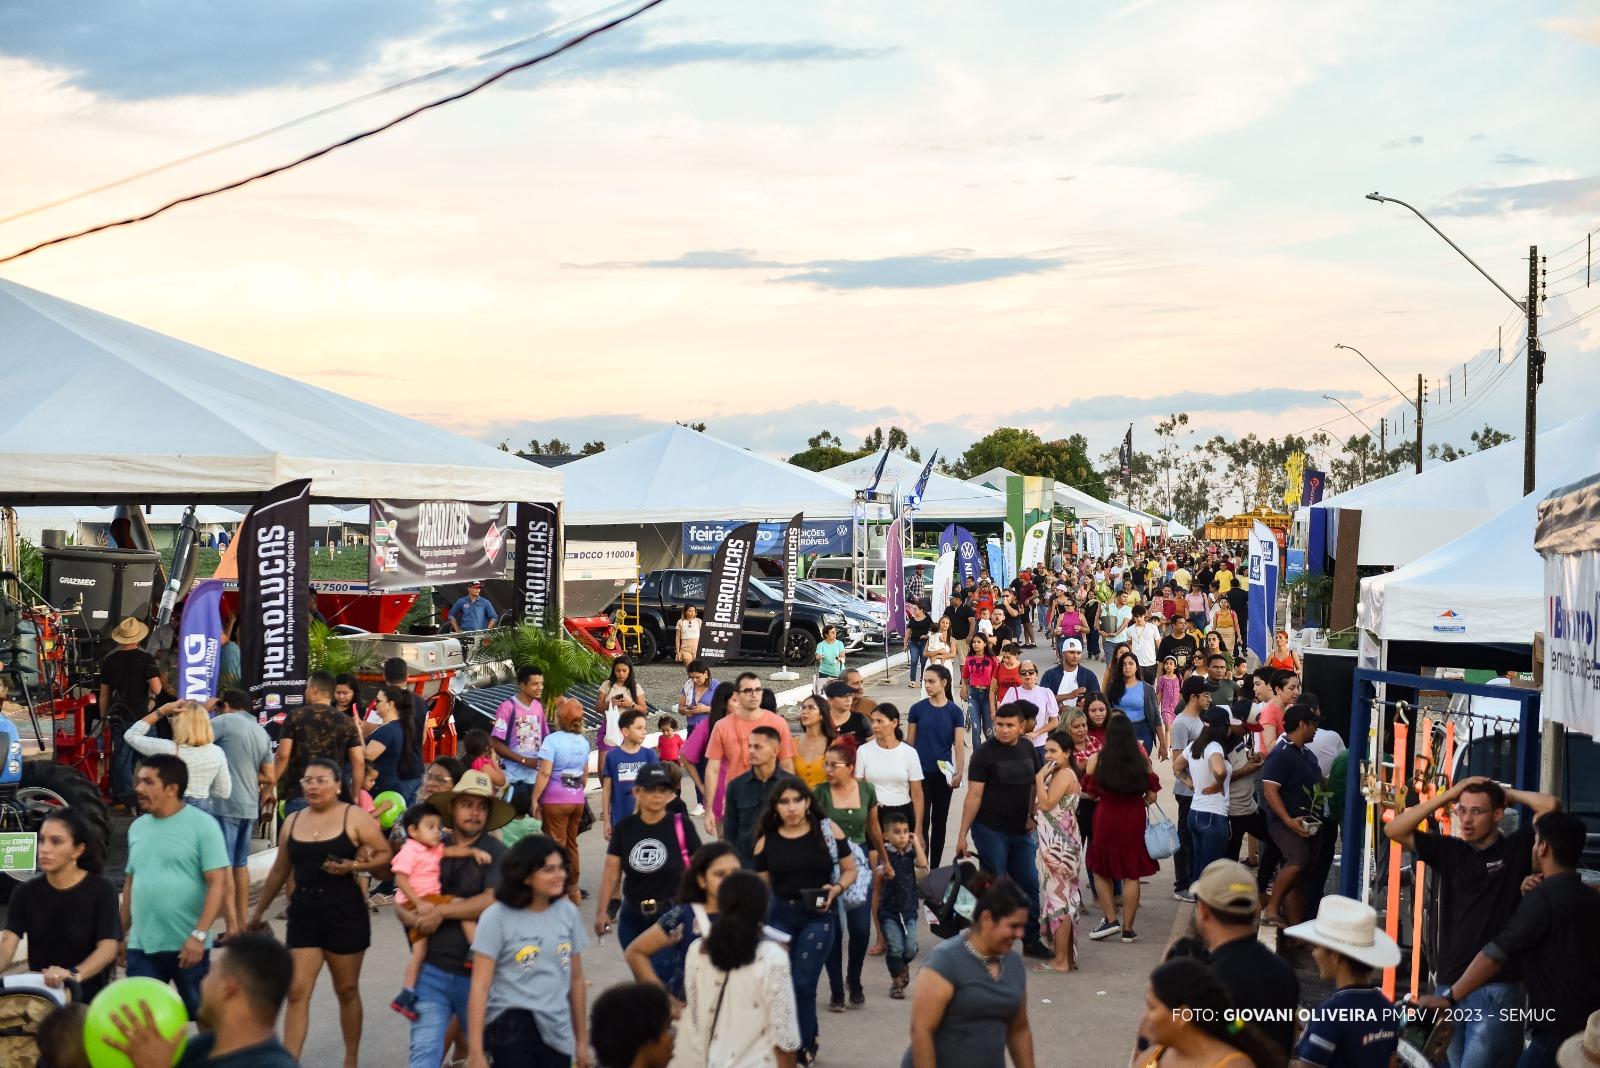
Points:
(664, 595)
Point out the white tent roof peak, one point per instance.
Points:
(944, 498)
(679, 475)
(156, 419)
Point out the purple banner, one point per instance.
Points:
(1311, 487)
(947, 539)
(200, 641)
(895, 580)
(967, 555)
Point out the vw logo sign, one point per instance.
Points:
(967, 549)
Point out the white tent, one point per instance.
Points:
(100, 410)
(945, 498)
(678, 475)
(1087, 506)
(1486, 586)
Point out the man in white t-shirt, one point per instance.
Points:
(1114, 619)
(1047, 711)
(1143, 637)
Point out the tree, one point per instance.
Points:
(1489, 437)
(1022, 452)
(505, 445)
(1167, 458)
(553, 447)
(592, 447)
(698, 427)
(824, 451)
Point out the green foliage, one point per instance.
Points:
(1308, 591)
(564, 662)
(1064, 460)
(332, 653)
(30, 564)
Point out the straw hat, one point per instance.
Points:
(475, 784)
(130, 632)
(1349, 928)
(1581, 1050)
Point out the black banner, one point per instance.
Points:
(538, 565)
(274, 582)
(730, 573)
(429, 543)
(791, 576)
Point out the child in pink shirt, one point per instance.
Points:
(1168, 689)
(416, 871)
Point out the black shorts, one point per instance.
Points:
(1297, 849)
(332, 922)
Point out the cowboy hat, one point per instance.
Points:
(1582, 1050)
(475, 784)
(130, 632)
(1350, 929)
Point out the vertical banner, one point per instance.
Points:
(1008, 553)
(274, 584)
(895, 580)
(1311, 490)
(1127, 540)
(724, 614)
(791, 570)
(200, 641)
(996, 555)
(1034, 545)
(1264, 569)
(1016, 519)
(967, 554)
(947, 539)
(944, 576)
(1572, 631)
(537, 569)
(877, 476)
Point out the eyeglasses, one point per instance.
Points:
(1462, 810)
(318, 780)
(835, 764)
(750, 689)
(1025, 674)
(433, 776)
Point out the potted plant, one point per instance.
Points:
(564, 662)
(332, 653)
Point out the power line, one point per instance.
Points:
(1576, 318)
(566, 45)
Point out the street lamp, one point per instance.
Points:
(1529, 308)
(1416, 405)
(1346, 407)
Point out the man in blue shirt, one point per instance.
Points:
(1072, 683)
(474, 611)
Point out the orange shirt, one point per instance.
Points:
(730, 741)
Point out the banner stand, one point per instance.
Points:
(791, 575)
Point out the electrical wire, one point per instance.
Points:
(1575, 319)
(570, 43)
(1575, 244)
(312, 116)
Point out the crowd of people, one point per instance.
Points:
(802, 853)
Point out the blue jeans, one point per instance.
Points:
(1488, 1041)
(1209, 833)
(1015, 855)
(1041, 616)
(408, 789)
(810, 934)
(900, 933)
(440, 996)
(1141, 729)
(982, 721)
(236, 839)
(858, 927)
(631, 923)
(164, 966)
(914, 654)
(1541, 1051)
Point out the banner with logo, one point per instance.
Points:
(996, 555)
(1312, 487)
(1264, 568)
(895, 580)
(818, 537)
(967, 555)
(877, 476)
(915, 500)
(274, 574)
(791, 569)
(603, 561)
(1572, 640)
(1016, 522)
(538, 565)
(1008, 553)
(730, 574)
(1035, 544)
(200, 641)
(947, 539)
(944, 577)
(428, 543)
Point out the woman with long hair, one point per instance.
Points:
(1211, 644)
(1282, 657)
(681, 925)
(1136, 699)
(739, 998)
(1121, 778)
(1206, 761)
(619, 693)
(1208, 1035)
(977, 680)
(1060, 848)
(687, 636)
(892, 766)
(68, 912)
(798, 859)
(346, 688)
(817, 733)
(1096, 714)
(852, 805)
(1226, 626)
(694, 751)
(396, 736)
(526, 1008)
(941, 647)
(194, 743)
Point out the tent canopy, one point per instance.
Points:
(100, 410)
(678, 475)
(944, 498)
(1087, 506)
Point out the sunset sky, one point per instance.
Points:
(779, 218)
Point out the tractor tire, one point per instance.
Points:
(76, 790)
(801, 648)
(649, 648)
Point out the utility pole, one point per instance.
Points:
(1383, 433)
(1530, 432)
(1419, 424)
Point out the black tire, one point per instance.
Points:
(649, 648)
(801, 648)
(76, 790)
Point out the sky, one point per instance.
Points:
(784, 218)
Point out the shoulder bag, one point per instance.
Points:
(856, 893)
(1160, 833)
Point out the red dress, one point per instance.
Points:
(1116, 842)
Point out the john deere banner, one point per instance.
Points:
(730, 574)
(426, 543)
(199, 641)
(274, 574)
(538, 565)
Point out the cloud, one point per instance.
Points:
(1559, 196)
(1107, 98)
(1270, 400)
(683, 53)
(1586, 30)
(1478, 137)
(1404, 142)
(1511, 159)
(934, 270)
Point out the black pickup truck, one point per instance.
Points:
(666, 593)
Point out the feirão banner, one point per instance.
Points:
(428, 543)
(730, 574)
(538, 564)
(274, 582)
(818, 537)
(199, 641)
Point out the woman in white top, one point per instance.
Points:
(892, 766)
(941, 650)
(617, 695)
(1206, 761)
(739, 1007)
(193, 742)
(688, 645)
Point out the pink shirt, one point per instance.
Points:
(421, 865)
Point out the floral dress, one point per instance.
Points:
(1061, 852)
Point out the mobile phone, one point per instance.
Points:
(818, 896)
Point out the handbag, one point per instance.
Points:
(856, 893)
(586, 818)
(1160, 834)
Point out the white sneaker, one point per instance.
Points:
(699, 810)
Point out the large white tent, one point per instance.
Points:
(99, 410)
(1086, 506)
(678, 475)
(945, 498)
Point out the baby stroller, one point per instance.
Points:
(24, 1003)
(951, 893)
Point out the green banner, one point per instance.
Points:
(19, 851)
(1016, 518)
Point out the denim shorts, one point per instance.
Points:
(236, 839)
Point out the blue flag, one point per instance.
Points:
(877, 476)
(200, 641)
(915, 500)
(967, 554)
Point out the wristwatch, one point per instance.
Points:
(1450, 996)
(198, 936)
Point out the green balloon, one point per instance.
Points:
(166, 1008)
(388, 806)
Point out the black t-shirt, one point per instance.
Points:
(128, 672)
(961, 620)
(64, 926)
(1239, 600)
(1006, 772)
(1183, 648)
(1259, 979)
(463, 877)
(856, 725)
(796, 864)
(1294, 768)
(652, 856)
(917, 629)
(1005, 632)
(1478, 891)
(268, 1054)
(1554, 934)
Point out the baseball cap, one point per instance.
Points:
(1197, 684)
(474, 584)
(1228, 886)
(652, 776)
(838, 688)
(1216, 716)
(1072, 645)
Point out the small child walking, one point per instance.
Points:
(898, 906)
(417, 878)
(669, 746)
(1169, 689)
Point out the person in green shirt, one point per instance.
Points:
(830, 657)
(852, 804)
